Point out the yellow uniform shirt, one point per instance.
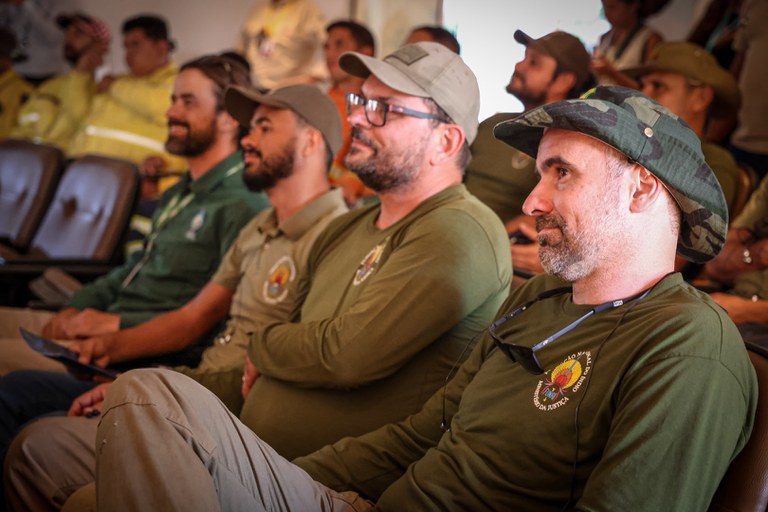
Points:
(14, 91)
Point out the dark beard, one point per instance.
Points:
(378, 172)
(269, 171)
(194, 144)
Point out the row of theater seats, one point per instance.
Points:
(55, 212)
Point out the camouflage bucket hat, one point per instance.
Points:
(650, 135)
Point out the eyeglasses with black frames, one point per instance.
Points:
(376, 111)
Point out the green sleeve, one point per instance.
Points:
(429, 283)
(369, 464)
(756, 209)
(658, 441)
(101, 293)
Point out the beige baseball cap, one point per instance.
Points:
(426, 70)
(308, 101)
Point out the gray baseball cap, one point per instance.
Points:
(650, 135)
(426, 70)
(308, 101)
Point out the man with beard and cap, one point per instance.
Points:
(610, 385)
(556, 67)
(395, 293)
(54, 111)
(687, 79)
(196, 222)
(294, 133)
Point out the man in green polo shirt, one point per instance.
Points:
(610, 384)
(195, 223)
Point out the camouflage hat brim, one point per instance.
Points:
(650, 135)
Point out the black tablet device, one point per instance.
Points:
(63, 355)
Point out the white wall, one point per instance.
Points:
(484, 28)
(198, 26)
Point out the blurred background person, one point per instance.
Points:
(37, 34)
(436, 34)
(14, 90)
(343, 36)
(54, 112)
(629, 41)
(283, 42)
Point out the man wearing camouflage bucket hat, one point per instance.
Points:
(574, 420)
(687, 79)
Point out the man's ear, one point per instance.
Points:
(311, 141)
(646, 188)
(701, 98)
(226, 124)
(563, 82)
(450, 140)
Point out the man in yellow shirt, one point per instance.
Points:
(55, 110)
(127, 117)
(14, 90)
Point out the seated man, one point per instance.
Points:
(346, 36)
(125, 119)
(742, 267)
(196, 222)
(255, 285)
(54, 112)
(394, 293)
(14, 90)
(638, 401)
(555, 67)
(436, 34)
(687, 79)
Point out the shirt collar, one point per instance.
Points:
(295, 226)
(208, 181)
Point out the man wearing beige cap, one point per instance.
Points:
(687, 79)
(556, 67)
(394, 294)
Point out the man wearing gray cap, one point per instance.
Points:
(637, 398)
(395, 293)
(556, 67)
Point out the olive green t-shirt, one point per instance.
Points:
(386, 314)
(640, 407)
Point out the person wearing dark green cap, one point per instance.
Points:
(687, 79)
(637, 397)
